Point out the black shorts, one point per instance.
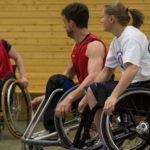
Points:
(107, 88)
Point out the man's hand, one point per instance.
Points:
(63, 108)
(35, 103)
(82, 105)
(24, 82)
(109, 106)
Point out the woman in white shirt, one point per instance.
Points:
(129, 49)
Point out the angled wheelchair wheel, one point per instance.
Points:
(15, 107)
(128, 127)
(67, 130)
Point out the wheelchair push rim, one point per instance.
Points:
(15, 105)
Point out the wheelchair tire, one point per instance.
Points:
(15, 107)
(67, 130)
(130, 132)
(65, 139)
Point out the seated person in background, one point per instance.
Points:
(130, 49)
(87, 59)
(7, 52)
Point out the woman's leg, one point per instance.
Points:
(93, 96)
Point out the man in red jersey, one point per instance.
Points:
(87, 59)
(7, 52)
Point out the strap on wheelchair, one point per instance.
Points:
(82, 123)
(87, 126)
(101, 94)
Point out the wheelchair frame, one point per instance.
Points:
(28, 137)
(38, 141)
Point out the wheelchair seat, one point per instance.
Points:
(147, 85)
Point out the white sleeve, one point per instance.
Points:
(132, 52)
(111, 60)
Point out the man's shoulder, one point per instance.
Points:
(5, 44)
(94, 36)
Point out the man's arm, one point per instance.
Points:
(70, 72)
(104, 75)
(95, 54)
(20, 65)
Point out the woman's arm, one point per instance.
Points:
(125, 81)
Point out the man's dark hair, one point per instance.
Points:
(78, 13)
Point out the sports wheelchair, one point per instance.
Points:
(15, 111)
(68, 127)
(127, 129)
(65, 129)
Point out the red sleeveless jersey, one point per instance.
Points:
(79, 59)
(5, 65)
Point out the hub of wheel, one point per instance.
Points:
(142, 127)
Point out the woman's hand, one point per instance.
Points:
(109, 106)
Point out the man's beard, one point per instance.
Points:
(70, 34)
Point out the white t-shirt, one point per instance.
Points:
(132, 46)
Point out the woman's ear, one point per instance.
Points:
(112, 18)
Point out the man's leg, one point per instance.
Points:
(49, 113)
(54, 83)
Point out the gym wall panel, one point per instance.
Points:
(35, 30)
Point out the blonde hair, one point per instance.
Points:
(120, 12)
